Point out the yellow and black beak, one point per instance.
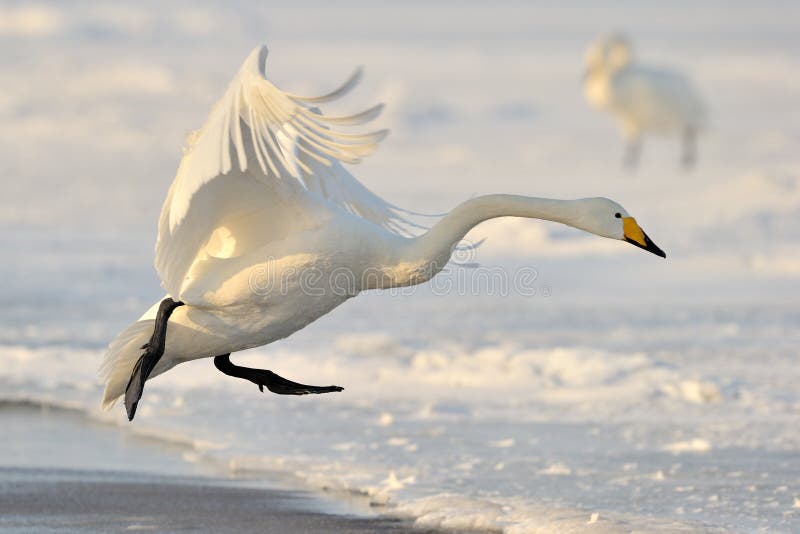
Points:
(636, 236)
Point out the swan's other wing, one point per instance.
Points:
(261, 149)
(331, 180)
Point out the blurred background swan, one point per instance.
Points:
(643, 98)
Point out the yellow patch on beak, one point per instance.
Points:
(636, 236)
(632, 231)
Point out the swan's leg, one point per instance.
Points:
(154, 349)
(274, 383)
(689, 148)
(633, 151)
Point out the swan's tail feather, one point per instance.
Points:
(120, 358)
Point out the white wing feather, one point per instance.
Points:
(263, 145)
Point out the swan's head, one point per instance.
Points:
(606, 218)
(608, 54)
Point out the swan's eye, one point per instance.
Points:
(617, 215)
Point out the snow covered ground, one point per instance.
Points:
(609, 390)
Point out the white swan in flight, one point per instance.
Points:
(263, 231)
(643, 99)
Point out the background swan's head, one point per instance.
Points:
(608, 54)
(606, 218)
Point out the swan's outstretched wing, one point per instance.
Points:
(261, 149)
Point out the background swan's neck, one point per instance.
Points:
(426, 255)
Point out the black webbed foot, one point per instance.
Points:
(265, 378)
(133, 392)
(153, 350)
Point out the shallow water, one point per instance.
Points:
(62, 470)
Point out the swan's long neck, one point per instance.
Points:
(426, 255)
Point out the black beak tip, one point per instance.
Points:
(652, 247)
(649, 246)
